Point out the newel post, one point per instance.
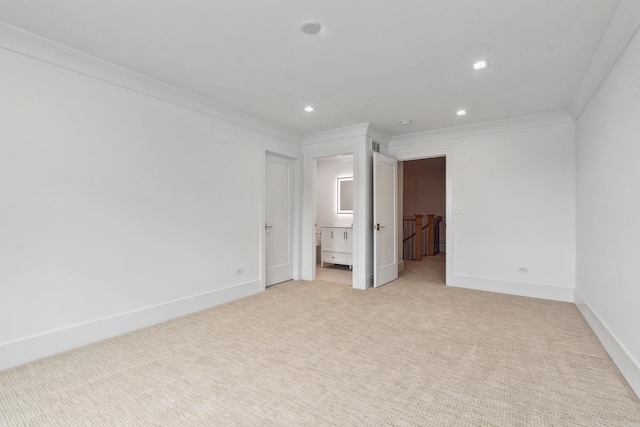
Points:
(417, 240)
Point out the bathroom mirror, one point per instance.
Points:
(345, 195)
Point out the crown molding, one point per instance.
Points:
(557, 117)
(621, 30)
(21, 42)
(335, 134)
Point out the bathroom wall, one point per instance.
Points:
(328, 170)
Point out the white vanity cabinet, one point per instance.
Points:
(337, 245)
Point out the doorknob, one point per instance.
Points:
(267, 226)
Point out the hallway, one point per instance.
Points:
(430, 270)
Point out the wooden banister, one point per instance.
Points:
(421, 240)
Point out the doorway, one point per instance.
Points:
(424, 214)
(334, 219)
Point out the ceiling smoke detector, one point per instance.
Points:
(311, 27)
(405, 122)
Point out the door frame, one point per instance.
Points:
(447, 153)
(296, 159)
(309, 248)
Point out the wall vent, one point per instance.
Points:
(375, 146)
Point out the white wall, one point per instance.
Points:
(608, 208)
(515, 182)
(118, 209)
(328, 170)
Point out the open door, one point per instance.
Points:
(385, 219)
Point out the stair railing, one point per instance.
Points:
(427, 241)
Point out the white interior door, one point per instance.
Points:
(279, 220)
(385, 219)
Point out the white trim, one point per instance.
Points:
(450, 222)
(14, 353)
(296, 158)
(378, 136)
(621, 29)
(335, 134)
(37, 48)
(308, 258)
(519, 123)
(525, 289)
(625, 362)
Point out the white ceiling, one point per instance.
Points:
(373, 61)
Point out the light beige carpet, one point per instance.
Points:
(334, 273)
(412, 353)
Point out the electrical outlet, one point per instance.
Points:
(457, 209)
(523, 269)
(239, 270)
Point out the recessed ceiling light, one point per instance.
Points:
(461, 112)
(481, 64)
(311, 27)
(308, 108)
(405, 122)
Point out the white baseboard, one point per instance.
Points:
(524, 289)
(24, 350)
(400, 266)
(629, 368)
